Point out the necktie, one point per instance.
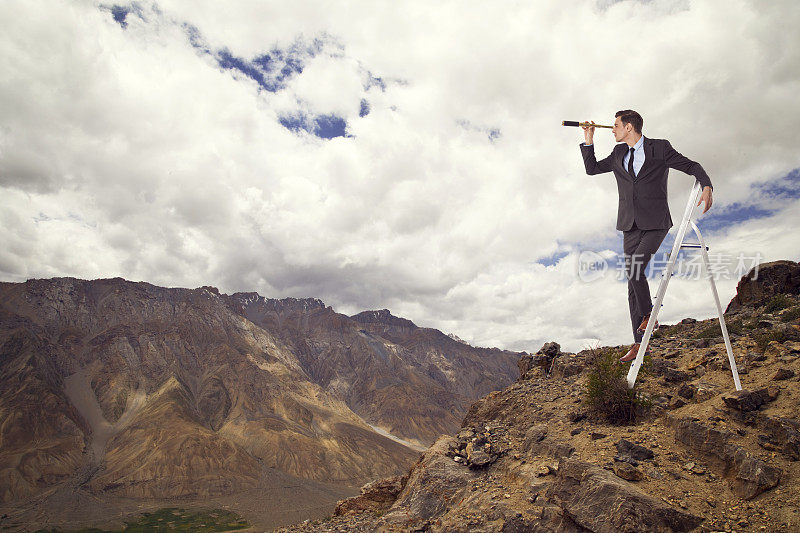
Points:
(630, 163)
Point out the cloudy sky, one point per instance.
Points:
(400, 155)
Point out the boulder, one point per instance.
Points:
(765, 281)
(525, 364)
(748, 476)
(751, 475)
(627, 471)
(783, 434)
(746, 400)
(434, 482)
(582, 490)
(375, 496)
(783, 373)
(634, 451)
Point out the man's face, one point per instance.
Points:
(620, 130)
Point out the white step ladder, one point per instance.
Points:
(694, 197)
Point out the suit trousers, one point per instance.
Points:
(640, 246)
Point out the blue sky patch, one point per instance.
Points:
(271, 71)
(729, 216)
(552, 259)
(329, 126)
(786, 188)
(119, 13)
(323, 126)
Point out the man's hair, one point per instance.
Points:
(629, 116)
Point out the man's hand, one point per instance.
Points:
(588, 132)
(706, 197)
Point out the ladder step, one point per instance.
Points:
(692, 245)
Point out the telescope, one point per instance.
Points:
(583, 124)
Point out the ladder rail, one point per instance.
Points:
(722, 325)
(633, 371)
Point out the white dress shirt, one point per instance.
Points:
(638, 156)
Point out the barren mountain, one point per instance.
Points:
(700, 456)
(114, 393)
(414, 383)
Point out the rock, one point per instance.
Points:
(581, 490)
(769, 394)
(525, 365)
(576, 431)
(775, 349)
(534, 435)
(567, 368)
(550, 349)
(700, 437)
(577, 416)
(433, 483)
(676, 403)
(626, 459)
(375, 496)
(793, 347)
(744, 400)
(765, 281)
(635, 451)
(688, 321)
(748, 476)
(752, 475)
(627, 471)
(783, 373)
(686, 391)
(480, 459)
(783, 434)
(465, 434)
(705, 392)
(596, 435)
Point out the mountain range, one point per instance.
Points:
(114, 393)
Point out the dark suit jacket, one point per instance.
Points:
(643, 198)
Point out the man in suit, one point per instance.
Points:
(641, 165)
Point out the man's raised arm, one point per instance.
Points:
(593, 166)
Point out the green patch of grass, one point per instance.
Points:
(792, 314)
(764, 336)
(173, 519)
(778, 302)
(607, 393)
(735, 326)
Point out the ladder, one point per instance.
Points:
(662, 290)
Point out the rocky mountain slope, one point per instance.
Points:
(114, 393)
(699, 457)
(414, 383)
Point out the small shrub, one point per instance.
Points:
(778, 302)
(764, 336)
(607, 392)
(735, 327)
(792, 314)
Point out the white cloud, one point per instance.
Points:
(132, 153)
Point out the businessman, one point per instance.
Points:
(641, 165)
